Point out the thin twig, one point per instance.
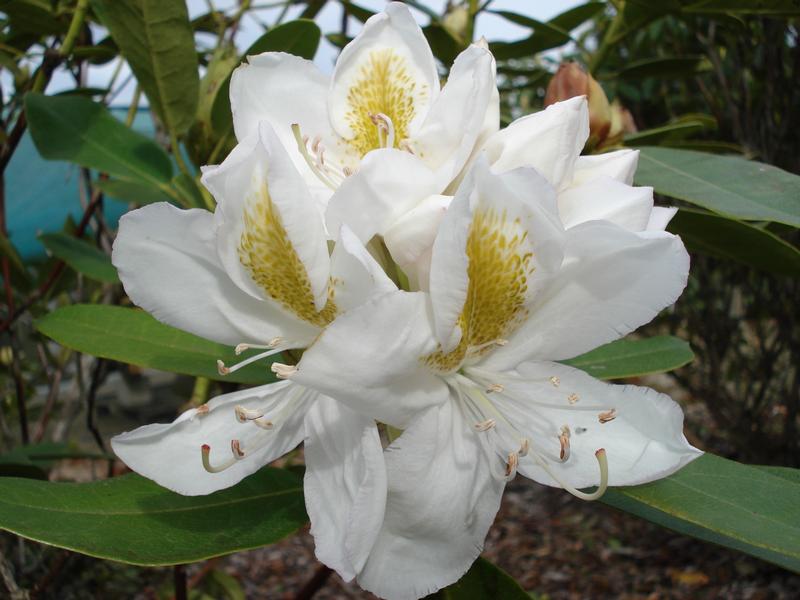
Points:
(314, 584)
(179, 581)
(91, 396)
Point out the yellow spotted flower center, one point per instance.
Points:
(499, 265)
(383, 86)
(269, 256)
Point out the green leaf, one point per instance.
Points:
(132, 191)
(81, 256)
(729, 185)
(483, 580)
(679, 129)
(545, 36)
(746, 7)
(156, 38)
(300, 37)
(669, 67)
(78, 130)
(132, 336)
(730, 239)
(131, 519)
(751, 509)
(631, 358)
(570, 19)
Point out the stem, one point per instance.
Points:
(179, 581)
(74, 28)
(137, 93)
(200, 391)
(606, 44)
(314, 584)
(176, 152)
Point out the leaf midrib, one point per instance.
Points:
(154, 512)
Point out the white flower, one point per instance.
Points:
(468, 372)
(589, 188)
(382, 109)
(257, 274)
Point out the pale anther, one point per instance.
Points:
(283, 371)
(246, 414)
(485, 425)
(495, 387)
(524, 447)
(236, 448)
(245, 346)
(511, 467)
(202, 410)
(221, 368)
(555, 381)
(563, 439)
(573, 398)
(609, 415)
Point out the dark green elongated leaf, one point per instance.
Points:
(630, 358)
(131, 519)
(483, 580)
(31, 16)
(545, 36)
(666, 67)
(729, 185)
(132, 336)
(722, 237)
(751, 509)
(81, 256)
(359, 12)
(300, 37)
(746, 7)
(443, 45)
(78, 130)
(658, 134)
(570, 19)
(188, 190)
(132, 191)
(156, 38)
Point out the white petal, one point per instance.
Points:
(518, 203)
(390, 53)
(612, 281)
(345, 485)
(606, 199)
(619, 165)
(283, 89)
(167, 261)
(550, 141)
(355, 274)
(643, 441)
(448, 135)
(388, 184)
(442, 500)
(258, 173)
(660, 218)
(369, 358)
(171, 454)
(410, 238)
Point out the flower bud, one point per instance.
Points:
(621, 123)
(571, 80)
(456, 22)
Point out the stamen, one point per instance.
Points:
(202, 410)
(312, 164)
(609, 415)
(602, 462)
(495, 387)
(236, 448)
(511, 467)
(205, 451)
(485, 425)
(283, 371)
(573, 398)
(223, 370)
(245, 346)
(563, 439)
(244, 415)
(386, 127)
(555, 381)
(479, 347)
(525, 447)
